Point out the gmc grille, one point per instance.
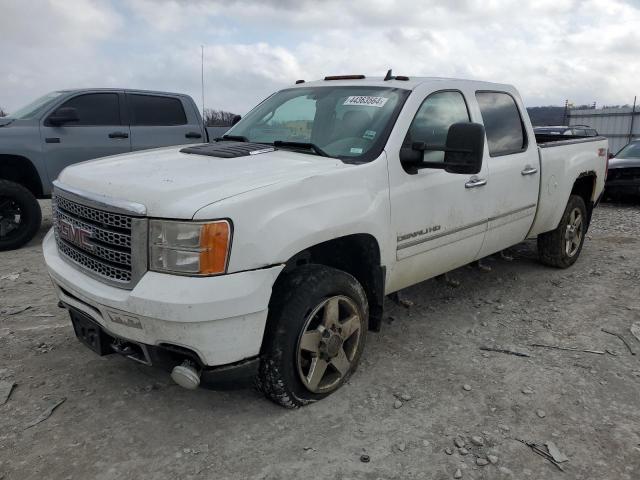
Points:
(98, 241)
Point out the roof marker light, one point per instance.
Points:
(345, 77)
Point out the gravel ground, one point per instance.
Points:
(423, 387)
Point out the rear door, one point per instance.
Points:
(98, 133)
(514, 169)
(161, 120)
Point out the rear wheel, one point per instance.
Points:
(317, 328)
(561, 247)
(20, 215)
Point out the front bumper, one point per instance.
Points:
(221, 319)
(622, 182)
(623, 187)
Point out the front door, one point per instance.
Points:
(99, 132)
(439, 218)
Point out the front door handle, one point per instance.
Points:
(118, 135)
(193, 135)
(474, 182)
(529, 170)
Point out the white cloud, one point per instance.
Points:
(551, 49)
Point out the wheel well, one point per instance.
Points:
(584, 187)
(358, 255)
(20, 170)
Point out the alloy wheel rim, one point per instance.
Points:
(10, 217)
(573, 233)
(328, 344)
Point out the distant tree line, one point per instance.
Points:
(546, 115)
(218, 118)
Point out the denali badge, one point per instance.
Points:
(75, 235)
(419, 233)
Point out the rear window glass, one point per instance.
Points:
(502, 122)
(155, 110)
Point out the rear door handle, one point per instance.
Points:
(193, 135)
(529, 170)
(474, 182)
(52, 140)
(118, 135)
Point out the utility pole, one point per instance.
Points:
(633, 114)
(202, 81)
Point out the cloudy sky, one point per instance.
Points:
(583, 50)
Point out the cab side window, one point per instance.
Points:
(95, 109)
(153, 110)
(432, 121)
(502, 122)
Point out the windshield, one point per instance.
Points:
(344, 122)
(630, 151)
(553, 131)
(36, 106)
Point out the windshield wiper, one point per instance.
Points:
(235, 138)
(305, 145)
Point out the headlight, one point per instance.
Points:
(189, 248)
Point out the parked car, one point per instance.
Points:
(573, 130)
(271, 250)
(624, 172)
(71, 126)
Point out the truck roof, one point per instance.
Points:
(410, 84)
(117, 89)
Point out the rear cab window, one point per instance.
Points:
(502, 122)
(155, 110)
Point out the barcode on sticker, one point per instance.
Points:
(366, 101)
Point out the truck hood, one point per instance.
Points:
(173, 184)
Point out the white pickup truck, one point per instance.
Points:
(271, 250)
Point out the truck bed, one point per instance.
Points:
(562, 160)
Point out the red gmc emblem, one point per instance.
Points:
(75, 235)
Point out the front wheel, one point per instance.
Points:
(561, 247)
(316, 334)
(20, 215)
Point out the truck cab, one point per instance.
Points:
(69, 126)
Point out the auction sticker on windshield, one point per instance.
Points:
(366, 101)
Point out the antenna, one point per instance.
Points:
(202, 80)
(388, 76)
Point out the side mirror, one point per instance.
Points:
(63, 115)
(464, 149)
(235, 119)
(610, 156)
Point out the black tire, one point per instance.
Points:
(16, 200)
(552, 246)
(294, 300)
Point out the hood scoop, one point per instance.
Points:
(228, 149)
